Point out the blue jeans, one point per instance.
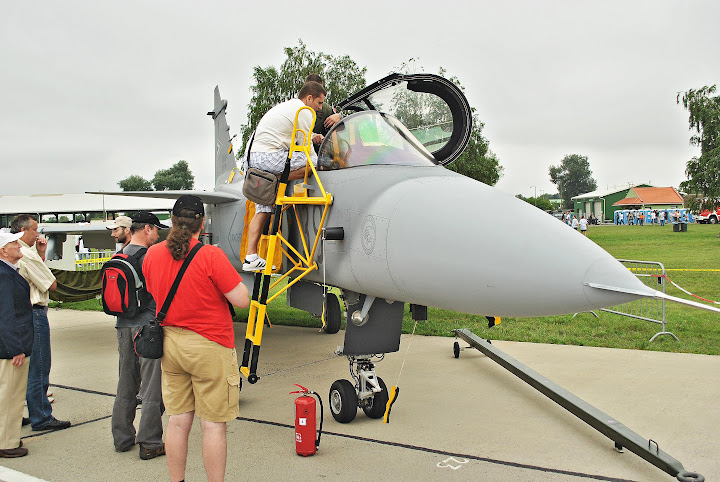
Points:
(38, 404)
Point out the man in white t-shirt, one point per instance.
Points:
(270, 149)
(583, 225)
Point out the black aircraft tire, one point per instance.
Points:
(333, 315)
(375, 408)
(456, 349)
(343, 401)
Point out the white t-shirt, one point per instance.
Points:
(275, 128)
(583, 224)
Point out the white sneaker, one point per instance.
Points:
(257, 265)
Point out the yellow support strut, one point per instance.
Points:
(301, 263)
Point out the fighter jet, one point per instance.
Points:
(402, 229)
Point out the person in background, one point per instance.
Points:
(41, 280)
(16, 342)
(583, 223)
(326, 117)
(120, 230)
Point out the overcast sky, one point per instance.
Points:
(92, 92)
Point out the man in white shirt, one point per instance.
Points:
(269, 151)
(583, 225)
(41, 280)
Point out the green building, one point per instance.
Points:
(600, 202)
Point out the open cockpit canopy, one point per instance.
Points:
(431, 109)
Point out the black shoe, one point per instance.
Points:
(12, 453)
(26, 421)
(147, 453)
(54, 424)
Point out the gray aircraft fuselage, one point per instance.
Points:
(430, 236)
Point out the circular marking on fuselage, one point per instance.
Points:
(368, 234)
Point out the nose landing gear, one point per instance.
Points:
(369, 392)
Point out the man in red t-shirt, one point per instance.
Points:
(200, 373)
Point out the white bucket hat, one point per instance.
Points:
(6, 238)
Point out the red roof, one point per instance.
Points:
(651, 195)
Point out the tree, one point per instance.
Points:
(540, 202)
(703, 173)
(341, 76)
(477, 160)
(135, 183)
(572, 177)
(177, 177)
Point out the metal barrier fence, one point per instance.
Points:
(92, 260)
(649, 309)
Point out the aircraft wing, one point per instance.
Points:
(72, 228)
(208, 197)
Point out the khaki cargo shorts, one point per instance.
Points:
(199, 375)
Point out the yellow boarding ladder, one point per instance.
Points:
(302, 263)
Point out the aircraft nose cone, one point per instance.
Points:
(455, 243)
(616, 275)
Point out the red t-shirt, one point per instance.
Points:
(199, 304)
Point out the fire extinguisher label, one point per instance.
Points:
(302, 421)
(298, 437)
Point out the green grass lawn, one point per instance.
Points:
(698, 330)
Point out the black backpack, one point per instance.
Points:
(123, 285)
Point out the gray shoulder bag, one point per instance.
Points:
(260, 186)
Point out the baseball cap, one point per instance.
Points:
(6, 238)
(191, 203)
(145, 217)
(120, 222)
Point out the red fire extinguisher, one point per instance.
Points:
(305, 442)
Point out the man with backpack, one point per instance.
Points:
(137, 375)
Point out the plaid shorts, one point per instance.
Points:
(275, 162)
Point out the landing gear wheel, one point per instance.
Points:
(456, 349)
(343, 401)
(333, 315)
(375, 407)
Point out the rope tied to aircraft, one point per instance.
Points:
(684, 290)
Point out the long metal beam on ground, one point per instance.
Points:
(600, 421)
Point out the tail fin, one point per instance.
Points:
(224, 155)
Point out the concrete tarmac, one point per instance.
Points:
(462, 419)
